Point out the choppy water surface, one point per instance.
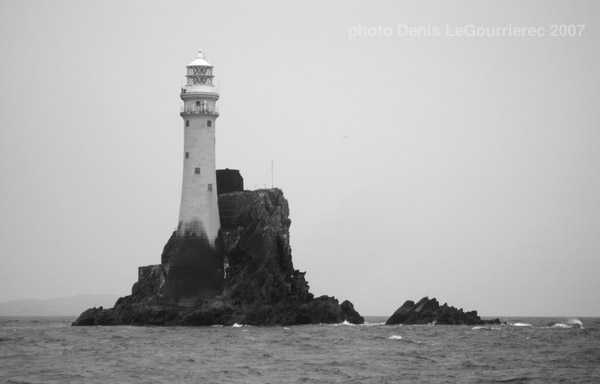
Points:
(49, 350)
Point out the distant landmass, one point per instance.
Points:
(60, 306)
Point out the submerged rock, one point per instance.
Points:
(261, 286)
(429, 311)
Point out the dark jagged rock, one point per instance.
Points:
(350, 314)
(261, 286)
(429, 311)
(94, 316)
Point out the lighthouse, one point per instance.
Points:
(193, 266)
(199, 211)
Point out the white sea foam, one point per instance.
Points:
(479, 327)
(520, 324)
(575, 323)
(236, 325)
(345, 322)
(395, 337)
(571, 323)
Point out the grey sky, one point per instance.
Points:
(465, 168)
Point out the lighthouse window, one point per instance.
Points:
(187, 155)
(197, 103)
(209, 187)
(197, 171)
(209, 123)
(187, 123)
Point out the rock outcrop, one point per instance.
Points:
(429, 311)
(261, 286)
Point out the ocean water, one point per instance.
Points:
(527, 350)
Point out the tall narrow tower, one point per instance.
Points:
(199, 211)
(193, 266)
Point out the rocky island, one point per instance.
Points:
(230, 260)
(429, 311)
(260, 286)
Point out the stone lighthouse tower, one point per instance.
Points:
(199, 212)
(192, 264)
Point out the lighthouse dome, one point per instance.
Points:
(200, 61)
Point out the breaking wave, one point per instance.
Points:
(484, 328)
(571, 323)
(520, 324)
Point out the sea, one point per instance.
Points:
(524, 350)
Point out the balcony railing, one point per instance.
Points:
(198, 111)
